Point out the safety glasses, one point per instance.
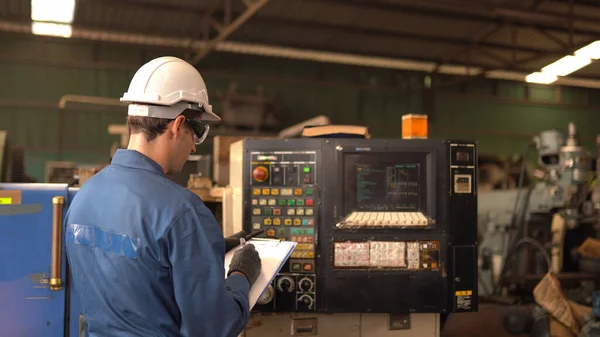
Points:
(200, 129)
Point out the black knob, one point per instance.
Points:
(285, 284)
(305, 285)
(306, 301)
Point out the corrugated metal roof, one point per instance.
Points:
(438, 30)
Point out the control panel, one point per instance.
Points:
(283, 188)
(382, 225)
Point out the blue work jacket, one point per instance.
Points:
(147, 257)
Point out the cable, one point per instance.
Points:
(513, 224)
(541, 248)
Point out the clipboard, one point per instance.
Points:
(273, 254)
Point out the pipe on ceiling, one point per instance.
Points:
(300, 54)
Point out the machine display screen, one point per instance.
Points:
(385, 183)
(387, 187)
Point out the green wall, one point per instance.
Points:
(36, 72)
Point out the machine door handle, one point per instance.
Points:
(56, 282)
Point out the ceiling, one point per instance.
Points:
(516, 35)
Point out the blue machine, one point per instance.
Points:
(36, 296)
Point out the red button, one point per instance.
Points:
(308, 202)
(307, 267)
(260, 173)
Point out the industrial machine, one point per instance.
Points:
(35, 291)
(554, 215)
(383, 225)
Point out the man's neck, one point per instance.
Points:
(152, 150)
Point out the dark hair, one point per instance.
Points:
(151, 127)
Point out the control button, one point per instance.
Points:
(310, 239)
(309, 202)
(297, 222)
(307, 267)
(308, 191)
(306, 169)
(274, 191)
(307, 180)
(260, 174)
(286, 191)
(271, 232)
(256, 225)
(266, 191)
(254, 202)
(276, 211)
(311, 222)
(310, 255)
(304, 222)
(291, 211)
(300, 202)
(276, 222)
(262, 202)
(267, 221)
(268, 211)
(295, 266)
(300, 211)
(298, 191)
(310, 231)
(281, 202)
(309, 211)
(256, 211)
(272, 202)
(287, 222)
(291, 202)
(256, 191)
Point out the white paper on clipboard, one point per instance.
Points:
(273, 254)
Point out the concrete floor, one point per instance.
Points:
(486, 322)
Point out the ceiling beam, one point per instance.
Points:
(226, 27)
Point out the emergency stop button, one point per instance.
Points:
(260, 173)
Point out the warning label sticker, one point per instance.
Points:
(464, 299)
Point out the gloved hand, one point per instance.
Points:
(246, 261)
(234, 240)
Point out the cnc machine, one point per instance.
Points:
(384, 227)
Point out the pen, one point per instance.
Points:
(242, 242)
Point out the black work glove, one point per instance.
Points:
(234, 240)
(246, 261)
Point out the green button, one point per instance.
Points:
(300, 202)
(306, 169)
(281, 202)
(308, 191)
(295, 266)
(291, 202)
(268, 211)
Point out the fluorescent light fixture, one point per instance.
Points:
(566, 65)
(51, 29)
(541, 78)
(591, 51)
(59, 11)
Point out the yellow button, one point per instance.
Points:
(276, 222)
(266, 191)
(287, 222)
(263, 202)
(291, 211)
(256, 191)
(272, 202)
(254, 202)
(309, 211)
(267, 221)
(271, 232)
(274, 191)
(297, 222)
(256, 211)
(300, 211)
(298, 191)
(310, 255)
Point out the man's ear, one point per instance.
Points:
(176, 126)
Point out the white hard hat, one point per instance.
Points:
(165, 87)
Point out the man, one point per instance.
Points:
(146, 255)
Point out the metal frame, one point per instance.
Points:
(227, 26)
